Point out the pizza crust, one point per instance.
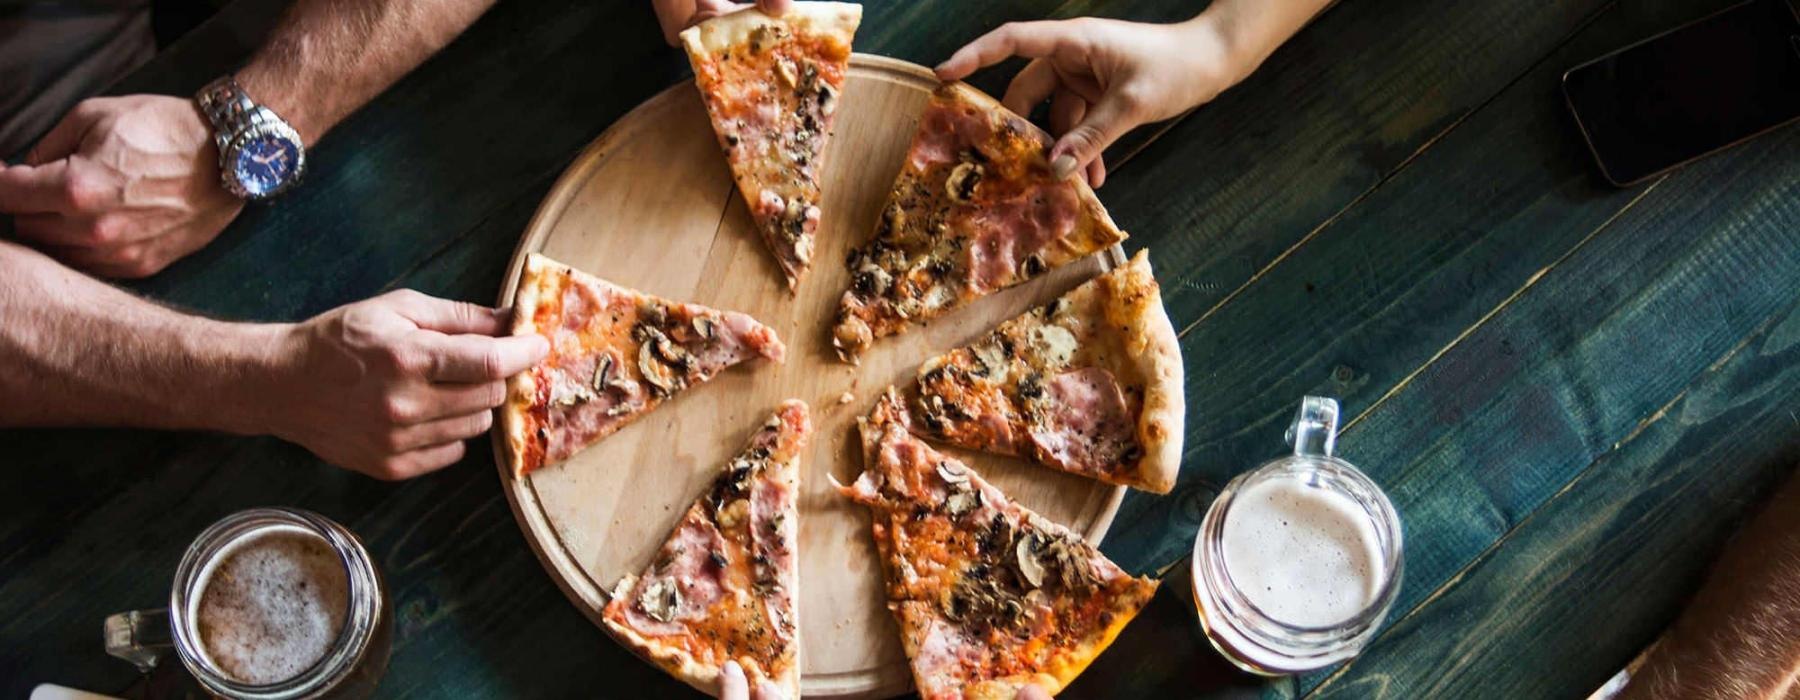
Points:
(1154, 349)
(833, 19)
(521, 388)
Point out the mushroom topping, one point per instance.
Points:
(962, 502)
(704, 327)
(660, 599)
(953, 474)
(603, 371)
(677, 356)
(1026, 554)
(662, 379)
(962, 181)
(827, 99)
(1032, 266)
(784, 69)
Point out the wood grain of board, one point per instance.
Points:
(651, 205)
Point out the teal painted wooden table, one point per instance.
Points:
(1572, 392)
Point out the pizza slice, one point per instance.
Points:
(990, 596)
(1090, 383)
(615, 354)
(976, 209)
(724, 586)
(771, 86)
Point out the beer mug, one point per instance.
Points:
(1297, 561)
(269, 604)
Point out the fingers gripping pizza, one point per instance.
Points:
(724, 587)
(975, 209)
(615, 354)
(989, 596)
(1090, 383)
(771, 86)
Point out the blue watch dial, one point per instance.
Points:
(264, 163)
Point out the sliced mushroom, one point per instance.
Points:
(962, 502)
(951, 473)
(1030, 568)
(603, 371)
(784, 69)
(704, 327)
(655, 372)
(660, 600)
(962, 181)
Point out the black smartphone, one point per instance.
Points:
(1690, 91)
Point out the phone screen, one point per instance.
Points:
(1678, 96)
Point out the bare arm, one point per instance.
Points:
(124, 186)
(1105, 77)
(81, 352)
(1740, 637)
(389, 387)
(330, 57)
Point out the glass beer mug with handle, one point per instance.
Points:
(1298, 560)
(268, 604)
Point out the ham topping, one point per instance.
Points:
(1085, 425)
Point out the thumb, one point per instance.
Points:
(774, 8)
(1103, 124)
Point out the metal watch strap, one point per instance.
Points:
(228, 107)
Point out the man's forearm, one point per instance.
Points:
(329, 57)
(77, 351)
(1253, 29)
(1740, 637)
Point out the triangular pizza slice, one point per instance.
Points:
(976, 209)
(990, 596)
(724, 587)
(771, 86)
(1090, 383)
(615, 354)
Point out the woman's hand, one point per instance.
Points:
(676, 15)
(1102, 77)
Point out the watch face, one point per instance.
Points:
(264, 163)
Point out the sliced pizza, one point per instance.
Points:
(990, 597)
(615, 354)
(1090, 383)
(724, 587)
(976, 209)
(771, 86)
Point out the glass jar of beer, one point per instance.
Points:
(1297, 561)
(269, 604)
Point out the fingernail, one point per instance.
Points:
(1062, 166)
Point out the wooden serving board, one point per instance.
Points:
(650, 205)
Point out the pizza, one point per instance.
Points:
(990, 597)
(771, 86)
(1090, 383)
(723, 586)
(975, 209)
(615, 354)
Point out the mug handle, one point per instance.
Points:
(1314, 432)
(139, 636)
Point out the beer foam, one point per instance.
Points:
(272, 604)
(1305, 555)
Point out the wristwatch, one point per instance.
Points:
(260, 156)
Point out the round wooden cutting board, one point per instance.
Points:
(650, 205)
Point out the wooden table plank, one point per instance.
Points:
(1587, 580)
(1386, 286)
(1577, 363)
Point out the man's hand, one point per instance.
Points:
(1102, 77)
(390, 387)
(676, 15)
(121, 187)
